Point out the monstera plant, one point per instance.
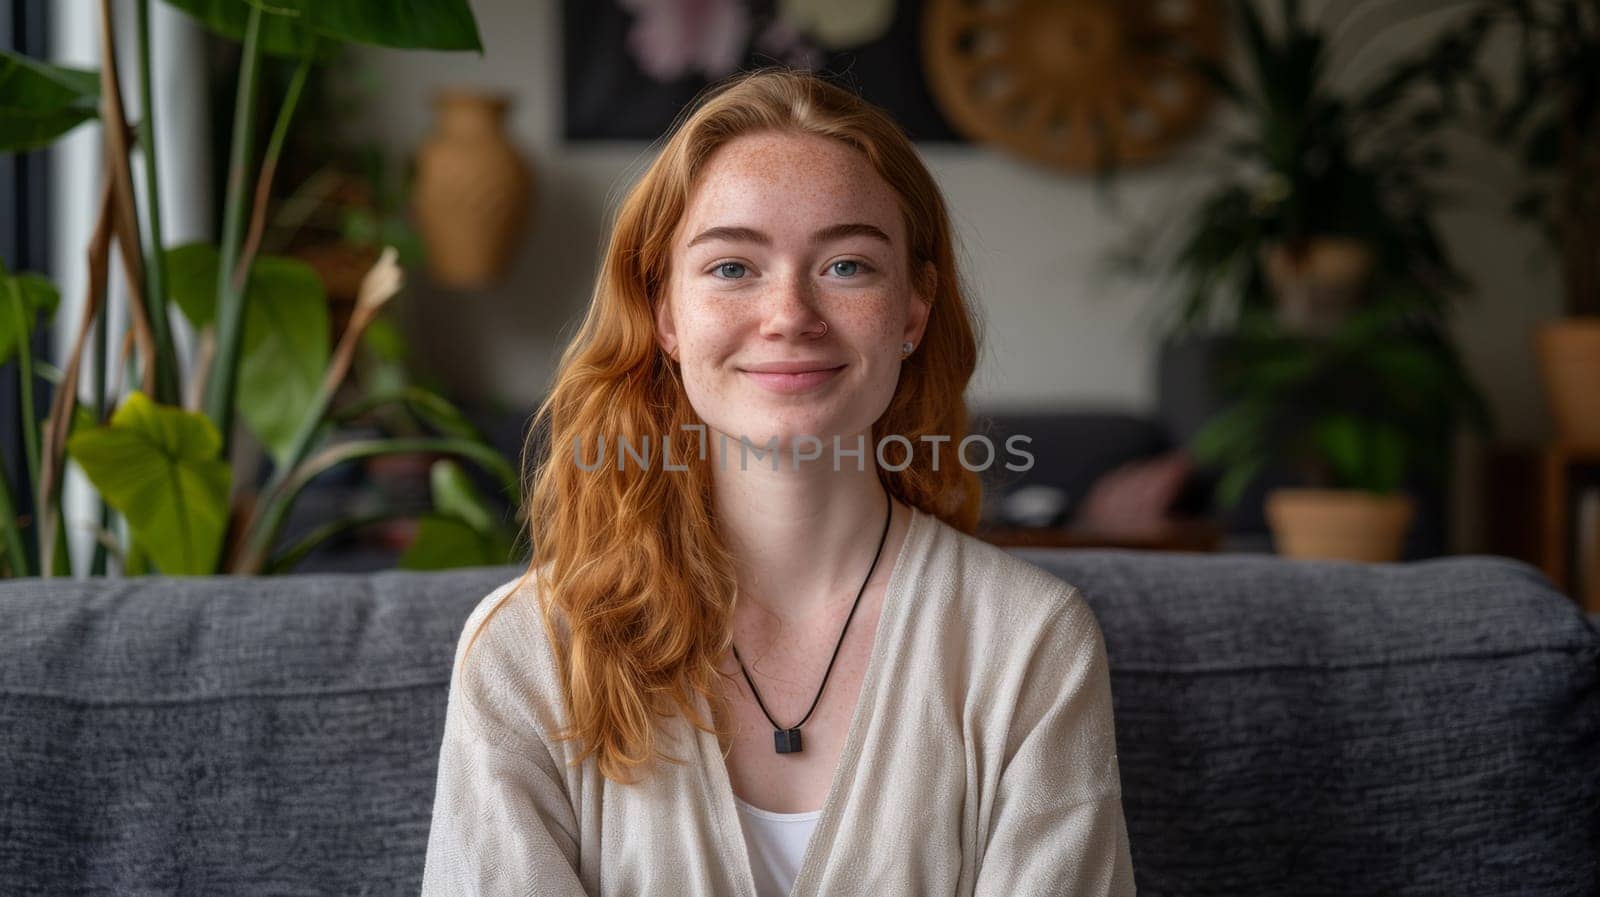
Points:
(161, 458)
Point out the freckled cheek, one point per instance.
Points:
(877, 318)
(709, 329)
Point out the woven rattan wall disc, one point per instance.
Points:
(1063, 81)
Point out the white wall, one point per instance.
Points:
(1032, 240)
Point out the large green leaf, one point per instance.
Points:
(464, 531)
(286, 335)
(453, 494)
(285, 351)
(37, 297)
(437, 412)
(279, 35)
(82, 419)
(192, 281)
(159, 467)
(39, 102)
(444, 542)
(287, 26)
(413, 24)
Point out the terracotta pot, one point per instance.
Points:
(473, 191)
(1341, 524)
(1569, 368)
(1317, 283)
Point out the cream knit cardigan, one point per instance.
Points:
(980, 760)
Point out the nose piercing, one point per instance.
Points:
(824, 329)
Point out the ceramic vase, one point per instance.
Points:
(473, 191)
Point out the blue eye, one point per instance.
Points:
(861, 267)
(728, 265)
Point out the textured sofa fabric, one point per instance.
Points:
(1333, 728)
(224, 736)
(1283, 728)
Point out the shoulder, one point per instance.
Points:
(505, 669)
(496, 631)
(995, 585)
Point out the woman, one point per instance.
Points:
(767, 657)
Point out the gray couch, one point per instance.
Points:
(1284, 728)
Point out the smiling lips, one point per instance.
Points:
(790, 377)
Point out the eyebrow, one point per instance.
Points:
(751, 235)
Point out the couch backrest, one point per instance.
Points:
(1332, 728)
(1283, 727)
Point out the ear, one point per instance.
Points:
(666, 330)
(922, 292)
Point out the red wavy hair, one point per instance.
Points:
(635, 582)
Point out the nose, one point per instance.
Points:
(789, 309)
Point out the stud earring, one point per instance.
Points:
(905, 349)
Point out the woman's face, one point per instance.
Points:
(781, 233)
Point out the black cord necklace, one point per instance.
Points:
(787, 741)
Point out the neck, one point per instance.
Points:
(803, 536)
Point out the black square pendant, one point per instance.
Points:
(787, 740)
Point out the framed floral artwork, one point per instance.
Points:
(632, 65)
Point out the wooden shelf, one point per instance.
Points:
(1180, 535)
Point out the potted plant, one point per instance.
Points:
(1357, 412)
(1312, 279)
(1324, 197)
(1550, 119)
(160, 459)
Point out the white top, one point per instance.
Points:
(980, 760)
(776, 842)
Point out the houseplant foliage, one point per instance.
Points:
(160, 458)
(1549, 119)
(1365, 408)
(1308, 169)
(1315, 261)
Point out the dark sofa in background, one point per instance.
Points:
(1075, 447)
(1284, 728)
